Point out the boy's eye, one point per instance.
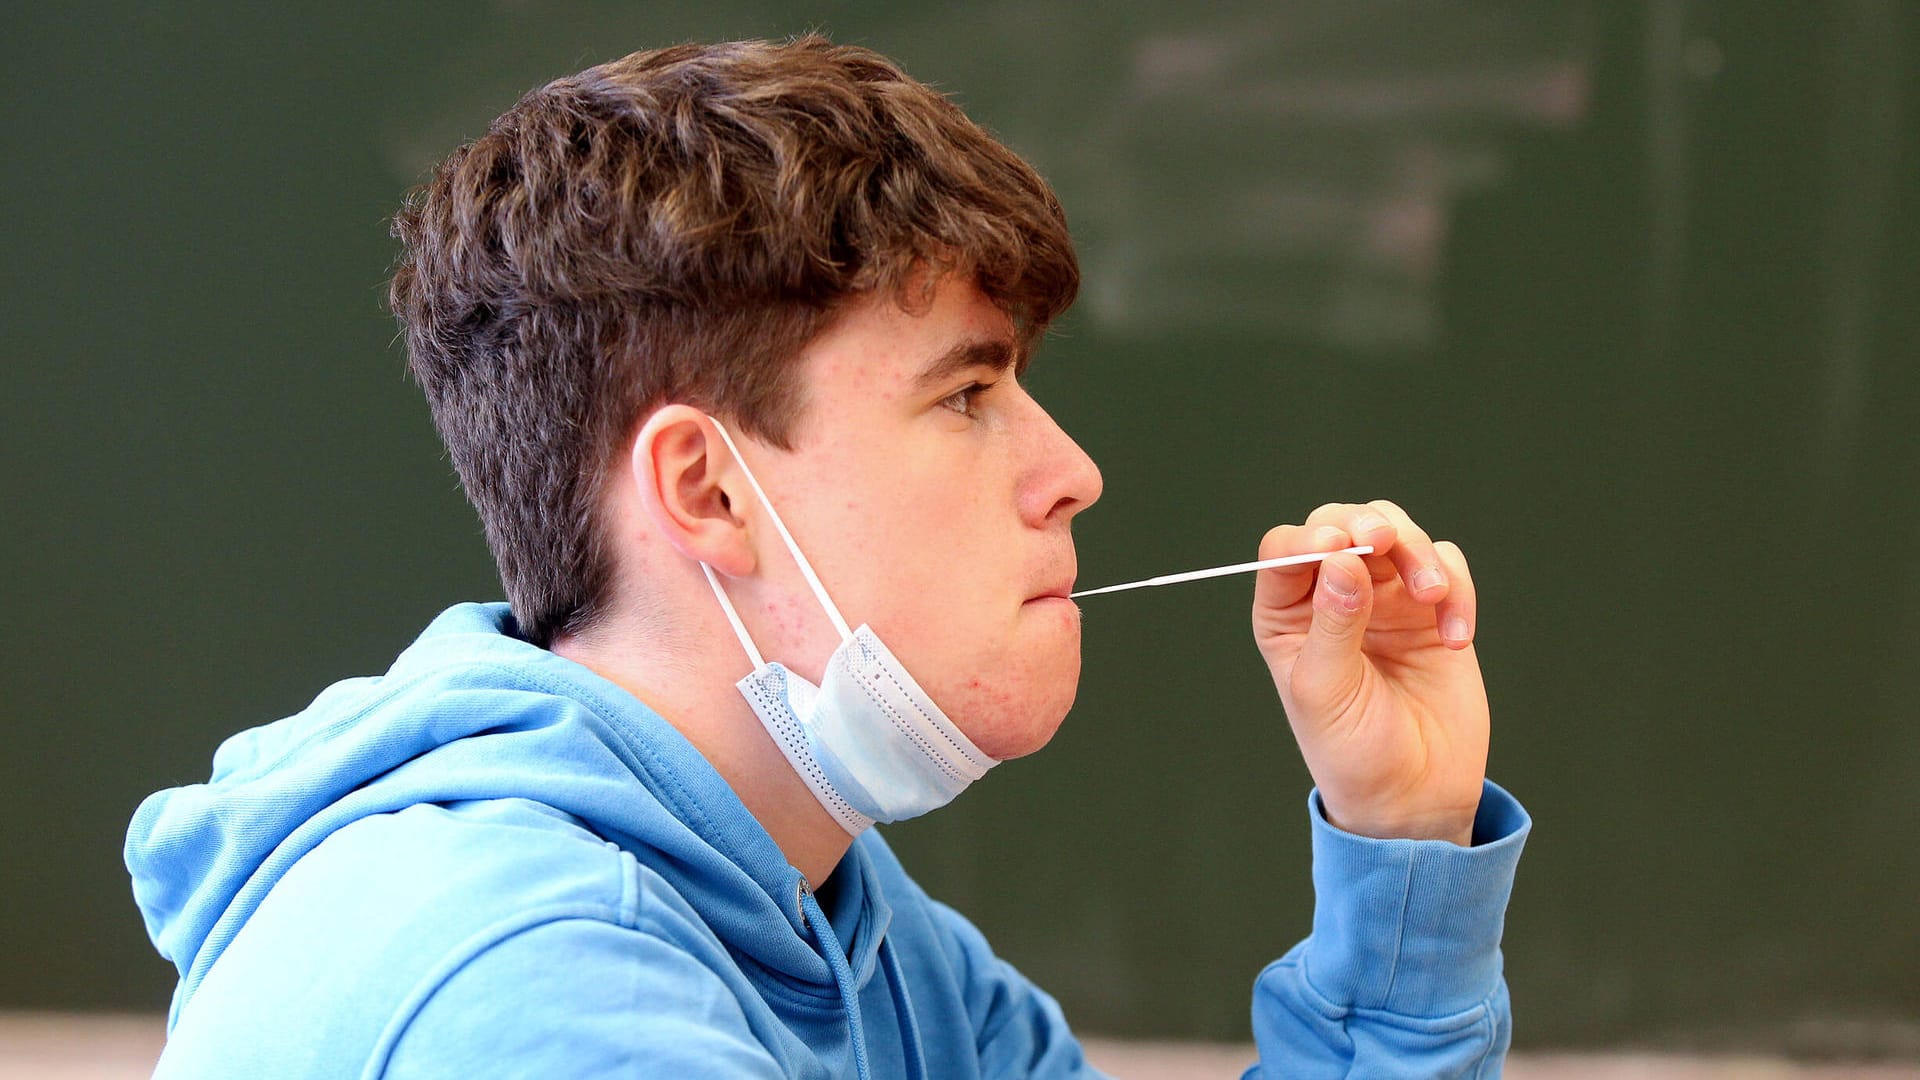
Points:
(961, 401)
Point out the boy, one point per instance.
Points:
(724, 344)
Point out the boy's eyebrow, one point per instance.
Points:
(996, 353)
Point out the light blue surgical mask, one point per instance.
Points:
(868, 740)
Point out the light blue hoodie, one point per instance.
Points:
(492, 862)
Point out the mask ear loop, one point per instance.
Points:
(806, 568)
(739, 628)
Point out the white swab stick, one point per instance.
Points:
(1222, 571)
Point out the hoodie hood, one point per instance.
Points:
(471, 712)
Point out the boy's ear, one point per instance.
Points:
(685, 472)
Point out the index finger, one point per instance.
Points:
(1414, 555)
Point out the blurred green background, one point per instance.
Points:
(1619, 296)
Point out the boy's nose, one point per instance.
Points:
(1067, 482)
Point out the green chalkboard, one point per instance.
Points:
(1620, 297)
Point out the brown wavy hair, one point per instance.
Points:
(674, 226)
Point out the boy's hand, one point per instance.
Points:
(1373, 657)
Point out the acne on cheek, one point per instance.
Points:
(989, 702)
(789, 619)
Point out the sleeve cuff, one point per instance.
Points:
(1413, 926)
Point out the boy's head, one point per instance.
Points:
(676, 226)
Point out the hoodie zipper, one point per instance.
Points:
(816, 920)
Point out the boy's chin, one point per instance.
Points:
(1009, 735)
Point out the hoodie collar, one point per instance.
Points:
(471, 711)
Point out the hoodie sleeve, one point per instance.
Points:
(588, 998)
(1401, 974)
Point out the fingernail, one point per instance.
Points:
(1342, 584)
(1454, 628)
(1430, 578)
(1370, 522)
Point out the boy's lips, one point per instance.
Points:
(1058, 591)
